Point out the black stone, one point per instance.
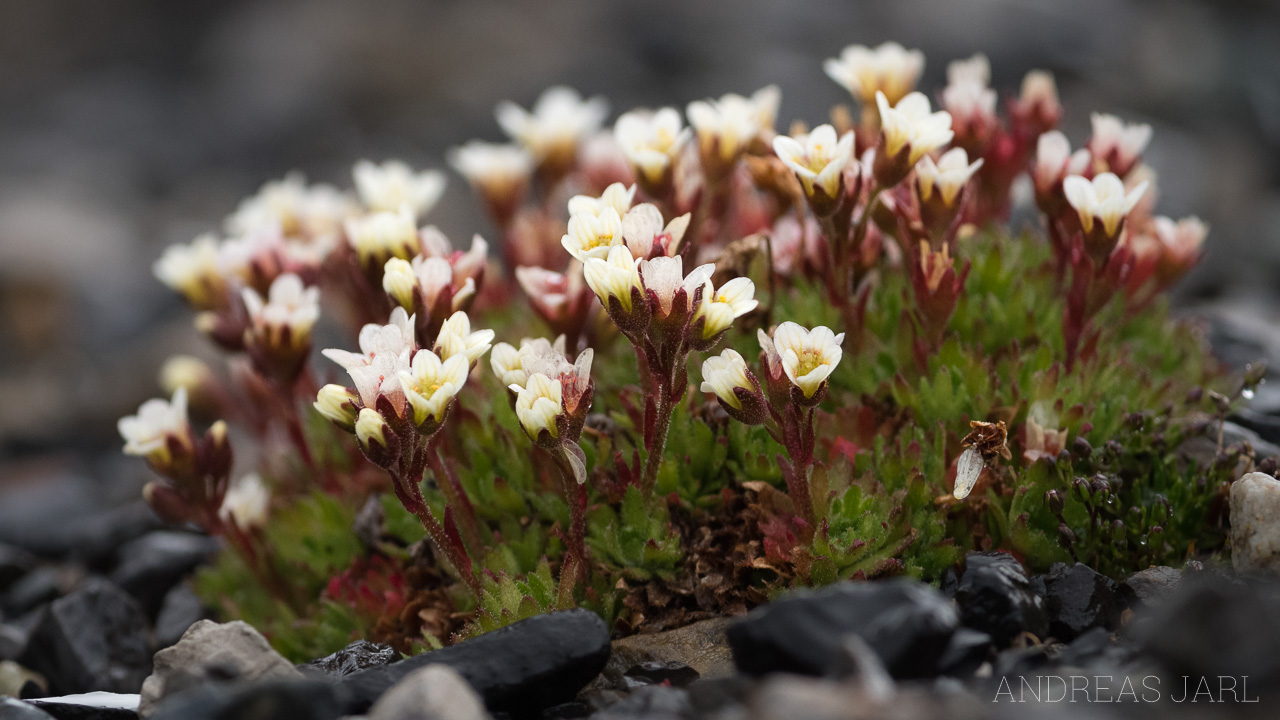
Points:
(1077, 598)
(15, 709)
(14, 563)
(93, 639)
(181, 609)
(276, 700)
(521, 669)
(906, 622)
(1149, 588)
(39, 586)
(359, 655)
(153, 564)
(1212, 626)
(566, 711)
(720, 696)
(656, 672)
(81, 711)
(996, 596)
(966, 652)
(655, 702)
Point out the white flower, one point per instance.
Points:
(642, 228)
(617, 196)
(290, 306)
(721, 307)
(146, 433)
(553, 295)
(246, 502)
(469, 264)
(538, 404)
(1182, 239)
(384, 352)
(1039, 88)
(493, 168)
(817, 158)
(732, 122)
(505, 361)
(430, 383)
(381, 235)
(1054, 160)
(889, 68)
(337, 404)
(976, 69)
(194, 271)
(912, 124)
(401, 279)
(651, 140)
(561, 119)
(591, 236)
(295, 209)
(1103, 200)
(949, 174)
(1112, 135)
(723, 373)
(663, 276)
(392, 184)
(807, 356)
(456, 338)
(614, 277)
(967, 96)
(968, 468)
(185, 371)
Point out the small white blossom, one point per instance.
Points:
(651, 140)
(290, 306)
(889, 68)
(505, 362)
(194, 271)
(731, 123)
(1054, 160)
(495, 169)
(392, 184)
(949, 174)
(817, 158)
(912, 124)
(457, 338)
(617, 196)
(337, 404)
(642, 228)
(614, 277)
(724, 373)
(382, 235)
(591, 236)
(1113, 140)
(663, 276)
(401, 280)
(146, 434)
(538, 404)
(808, 356)
(1101, 200)
(560, 119)
(246, 502)
(294, 208)
(721, 307)
(384, 352)
(431, 383)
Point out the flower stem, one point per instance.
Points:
(575, 494)
(455, 497)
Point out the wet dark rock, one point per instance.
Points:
(39, 586)
(435, 692)
(212, 652)
(1150, 588)
(1019, 662)
(153, 564)
(37, 517)
(995, 596)
(93, 639)
(566, 711)
(271, 700)
(701, 646)
(93, 706)
(966, 652)
(1078, 598)
(99, 538)
(1211, 627)
(860, 667)
(657, 672)
(14, 563)
(359, 655)
(15, 709)
(907, 623)
(13, 640)
(522, 668)
(654, 702)
(1096, 651)
(181, 609)
(711, 697)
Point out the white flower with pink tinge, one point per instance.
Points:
(808, 357)
(385, 351)
(560, 119)
(246, 502)
(948, 175)
(817, 158)
(911, 123)
(1113, 139)
(393, 184)
(1054, 160)
(663, 276)
(642, 230)
(1102, 199)
(889, 68)
(290, 305)
(651, 140)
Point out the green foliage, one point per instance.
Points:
(506, 599)
(636, 539)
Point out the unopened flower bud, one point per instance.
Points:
(371, 428)
(339, 405)
(538, 406)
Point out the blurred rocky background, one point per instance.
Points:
(126, 125)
